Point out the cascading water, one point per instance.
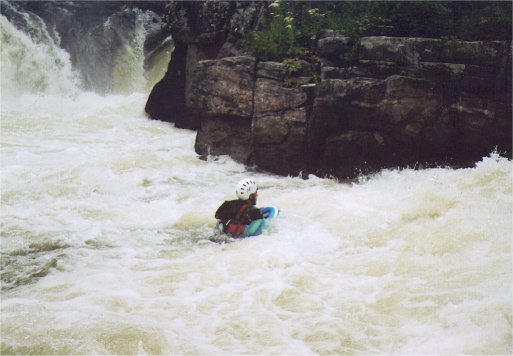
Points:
(96, 46)
(105, 219)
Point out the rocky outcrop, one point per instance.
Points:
(223, 87)
(166, 101)
(370, 104)
(201, 30)
(279, 120)
(249, 111)
(402, 101)
(222, 100)
(412, 100)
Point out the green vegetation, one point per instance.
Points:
(292, 28)
(279, 39)
(292, 65)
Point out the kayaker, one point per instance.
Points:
(235, 215)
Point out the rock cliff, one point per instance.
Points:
(412, 100)
(201, 30)
(375, 103)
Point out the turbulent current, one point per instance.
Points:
(106, 215)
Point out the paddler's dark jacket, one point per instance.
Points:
(228, 211)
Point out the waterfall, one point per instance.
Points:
(62, 47)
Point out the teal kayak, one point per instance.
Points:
(258, 226)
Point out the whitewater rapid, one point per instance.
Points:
(105, 220)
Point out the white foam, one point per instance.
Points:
(406, 262)
(35, 67)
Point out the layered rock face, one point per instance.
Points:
(379, 103)
(222, 100)
(249, 111)
(412, 100)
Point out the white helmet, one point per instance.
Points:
(245, 188)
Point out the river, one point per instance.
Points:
(106, 215)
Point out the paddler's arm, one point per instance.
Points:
(254, 214)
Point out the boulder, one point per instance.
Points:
(334, 45)
(335, 48)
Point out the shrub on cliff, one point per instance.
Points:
(292, 27)
(278, 39)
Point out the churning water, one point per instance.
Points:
(105, 219)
